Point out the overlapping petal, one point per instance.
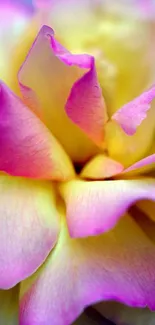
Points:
(144, 165)
(101, 167)
(27, 147)
(117, 265)
(131, 115)
(95, 207)
(129, 149)
(51, 72)
(135, 118)
(29, 225)
(9, 306)
(85, 105)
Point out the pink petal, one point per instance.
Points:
(29, 226)
(95, 207)
(27, 147)
(85, 105)
(142, 165)
(131, 115)
(101, 167)
(118, 265)
(52, 75)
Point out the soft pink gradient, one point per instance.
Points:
(105, 255)
(95, 207)
(131, 115)
(142, 165)
(27, 147)
(85, 105)
(118, 265)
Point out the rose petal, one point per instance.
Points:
(50, 74)
(9, 304)
(128, 150)
(95, 207)
(27, 147)
(101, 167)
(79, 272)
(131, 115)
(29, 226)
(85, 105)
(141, 166)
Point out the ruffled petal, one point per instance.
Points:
(131, 115)
(27, 147)
(101, 167)
(9, 305)
(95, 207)
(85, 105)
(50, 72)
(29, 224)
(79, 272)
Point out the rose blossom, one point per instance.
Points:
(77, 159)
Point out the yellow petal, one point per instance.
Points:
(29, 224)
(101, 167)
(51, 79)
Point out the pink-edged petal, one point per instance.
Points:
(53, 74)
(118, 265)
(95, 207)
(29, 224)
(85, 105)
(27, 147)
(129, 149)
(101, 167)
(131, 115)
(143, 165)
